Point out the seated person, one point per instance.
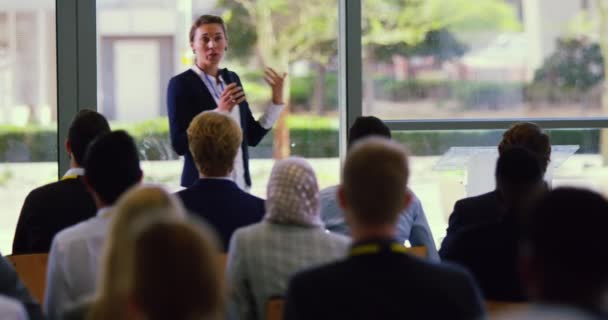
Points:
(565, 261)
(12, 287)
(379, 280)
(11, 309)
(111, 167)
(263, 256)
(487, 208)
(146, 203)
(214, 139)
(491, 251)
(412, 224)
(58, 205)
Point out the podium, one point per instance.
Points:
(480, 164)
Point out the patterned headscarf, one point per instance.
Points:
(293, 193)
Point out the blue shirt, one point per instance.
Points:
(412, 224)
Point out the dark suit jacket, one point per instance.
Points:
(385, 285)
(188, 96)
(490, 253)
(223, 205)
(48, 210)
(11, 286)
(479, 210)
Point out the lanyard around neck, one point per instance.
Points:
(216, 94)
(375, 248)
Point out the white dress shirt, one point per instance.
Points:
(267, 120)
(11, 309)
(74, 263)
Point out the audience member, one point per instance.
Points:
(145, 203)
(111, 167)
(58, 205)
(214, 139)
(486, 208)
(379, 280)
(491, 251)
(12, 287)
(175, 274)
(11, 309)
(263, 256)
(412, 224)
(565, 259)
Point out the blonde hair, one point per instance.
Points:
(374, 180)
(140, 203)
(214, 140)
(175, 272)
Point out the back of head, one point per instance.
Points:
(175, 273)
(86, 126)
(567, 247)
(366, 126)
(112, 165)
(214, 140)
(374, 181)
(292, 193)
(519, 177)
(530, 136)
(144, 203)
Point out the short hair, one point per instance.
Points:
(530, 136)
(111, 165)
(141, 203)
(518, 166)
(175, 274)
(207, 19)
(365, 126)
(86, 126)
(214, 140)
(374, 180)
(566, 241)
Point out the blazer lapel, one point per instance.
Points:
(202, 92)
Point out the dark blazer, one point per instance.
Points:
(383, 285)
(490, 253)
(482, 209)
(11, 286)
(223, 205)
(48, 210)
(188, 96)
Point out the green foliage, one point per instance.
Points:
(440, 44)
(302, 92)
(311, 136)
(576, 63)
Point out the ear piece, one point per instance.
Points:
(226, 49)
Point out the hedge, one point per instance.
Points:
(310, 137)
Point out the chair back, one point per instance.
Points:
(274, 308)
(418, 251)
(495, 308)
(31, 269)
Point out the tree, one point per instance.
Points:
(285, 32)
(281, 32)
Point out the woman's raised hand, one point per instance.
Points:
(275, 80)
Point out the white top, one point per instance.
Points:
(74, 263)
(74, 172)
(267, 120)
(11, 309)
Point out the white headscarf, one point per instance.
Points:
(293, 193)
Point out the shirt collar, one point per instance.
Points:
(104, 212)
(202, 73)
(73, 173)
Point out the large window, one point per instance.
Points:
(28, 106)
(137, 56)
(444, 59)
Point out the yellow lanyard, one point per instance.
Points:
(374, 248)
